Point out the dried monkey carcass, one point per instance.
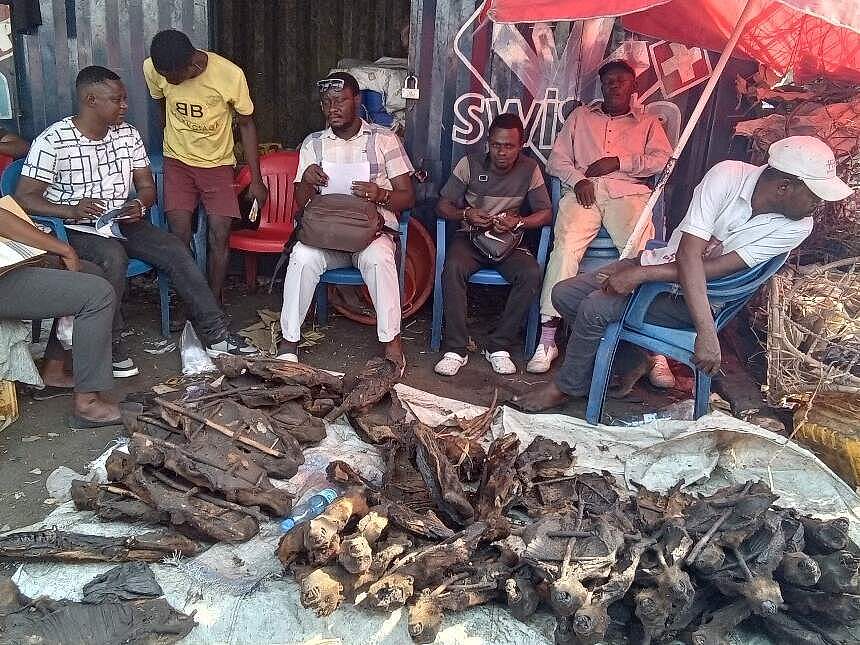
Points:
(591, 620)
(323, 534)
(382, 421)
(544, 459)
(64, 546)
(272, 369)
(499, 485)
(441, 478)
(186, 513)
(238, 478)
(367, 386)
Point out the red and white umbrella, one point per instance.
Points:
(810, 37)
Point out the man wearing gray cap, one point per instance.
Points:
(740, 216)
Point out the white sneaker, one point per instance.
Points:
(501, 362)
(288, 357)
(660, 375)
(450, 364)
(542, 360)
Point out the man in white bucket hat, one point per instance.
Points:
(740, 216)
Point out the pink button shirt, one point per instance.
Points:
(589, 134)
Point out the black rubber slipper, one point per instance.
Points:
(51, 392)
(79, 423)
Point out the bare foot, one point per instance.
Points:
(90, 406)
(54, 374)
(541, 398)
(394, 352)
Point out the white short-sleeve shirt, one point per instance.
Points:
(721, 213)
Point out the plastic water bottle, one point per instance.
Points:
(308, 510)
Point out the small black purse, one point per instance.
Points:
(493, 245)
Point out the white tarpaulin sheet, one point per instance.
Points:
(240, 598)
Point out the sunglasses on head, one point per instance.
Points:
(330, 84)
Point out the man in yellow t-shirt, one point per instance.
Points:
(198, 93)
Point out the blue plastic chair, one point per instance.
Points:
(489, 277)
(8, 183)
(729, 293)
(350, 276)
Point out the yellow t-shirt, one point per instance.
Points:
(199, 128)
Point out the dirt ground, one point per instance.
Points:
(40, 441)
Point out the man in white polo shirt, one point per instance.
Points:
(740, 216)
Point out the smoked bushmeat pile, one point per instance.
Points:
(203, 465)
(460, 521)
(455, 524)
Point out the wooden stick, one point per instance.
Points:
(120, 491)
(217, 426)
(645, 216)
(691, 558)
(227, 392)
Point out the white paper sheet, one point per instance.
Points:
(341, 176)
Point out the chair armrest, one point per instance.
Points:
(555, 193)
(726, 289)
(55, 224)
(543, 246)
(642, 298)
(403, 219)
(441, 240)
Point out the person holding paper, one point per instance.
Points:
(87, 165)
(51, 293)
(368, 161)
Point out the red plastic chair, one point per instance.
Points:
(5, 162)
(276, 217)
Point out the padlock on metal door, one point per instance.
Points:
(410, 88)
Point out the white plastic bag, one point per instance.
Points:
(195, 360)
(65, 329)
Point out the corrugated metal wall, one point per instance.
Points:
(112, 33)
(284, 46)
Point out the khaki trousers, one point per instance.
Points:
(577, 226)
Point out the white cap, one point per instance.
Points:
(812, 160)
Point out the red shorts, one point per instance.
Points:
(185, 186)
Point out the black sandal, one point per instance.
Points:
(80, 423)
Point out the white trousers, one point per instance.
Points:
(576, 227)
(377, 266)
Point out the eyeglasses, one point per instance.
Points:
(330, 84)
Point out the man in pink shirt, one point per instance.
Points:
(603, 155)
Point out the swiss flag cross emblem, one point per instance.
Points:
(679, 68)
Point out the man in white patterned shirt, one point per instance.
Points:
(350, 146)
(90, 164)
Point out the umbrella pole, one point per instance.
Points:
(645, 216)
